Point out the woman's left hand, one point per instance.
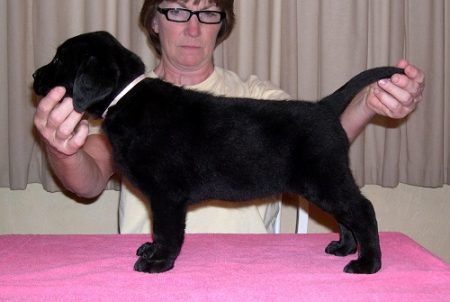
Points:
(398, 96)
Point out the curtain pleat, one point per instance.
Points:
(16, 98)
(308, 48)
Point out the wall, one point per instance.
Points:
(421, 213)
(35, 211)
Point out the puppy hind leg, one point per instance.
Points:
(345, 246)
(168, 236)
(364, 226)
(356, 217)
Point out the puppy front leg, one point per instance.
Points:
(168, 235)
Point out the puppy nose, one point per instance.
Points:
(34, 75)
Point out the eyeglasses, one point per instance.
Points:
(184, 15)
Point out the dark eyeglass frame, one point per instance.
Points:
(165, 12)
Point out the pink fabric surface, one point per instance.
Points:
(214, 267)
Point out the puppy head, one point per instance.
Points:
(93, 67)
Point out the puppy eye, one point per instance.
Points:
(56, 60)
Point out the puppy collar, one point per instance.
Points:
(124, 91)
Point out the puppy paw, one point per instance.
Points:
(153, 258)
(338, 248)
(152, 265)
(363, 266)
(143, 248)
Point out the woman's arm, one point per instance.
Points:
(82, 162)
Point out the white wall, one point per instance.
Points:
(35, 211)
(421, 213)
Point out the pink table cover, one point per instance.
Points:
(214, 267)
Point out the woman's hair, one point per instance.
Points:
(148, 12)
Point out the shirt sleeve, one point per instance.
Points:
(265, 90)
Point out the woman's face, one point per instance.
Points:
(190, 44)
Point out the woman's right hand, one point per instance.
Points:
(63, 129)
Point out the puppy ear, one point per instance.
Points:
(93, 82)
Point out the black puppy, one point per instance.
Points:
(180, 147)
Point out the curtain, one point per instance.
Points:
(309, 48)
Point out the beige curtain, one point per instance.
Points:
(308, 48)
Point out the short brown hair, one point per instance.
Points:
(148, 12)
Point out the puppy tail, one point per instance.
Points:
(339, 99)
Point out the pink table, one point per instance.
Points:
(214, 267)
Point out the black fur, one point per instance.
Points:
(180, 147)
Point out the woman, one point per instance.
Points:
(184, 34)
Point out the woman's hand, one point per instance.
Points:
(62, 128)
(398, 96)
